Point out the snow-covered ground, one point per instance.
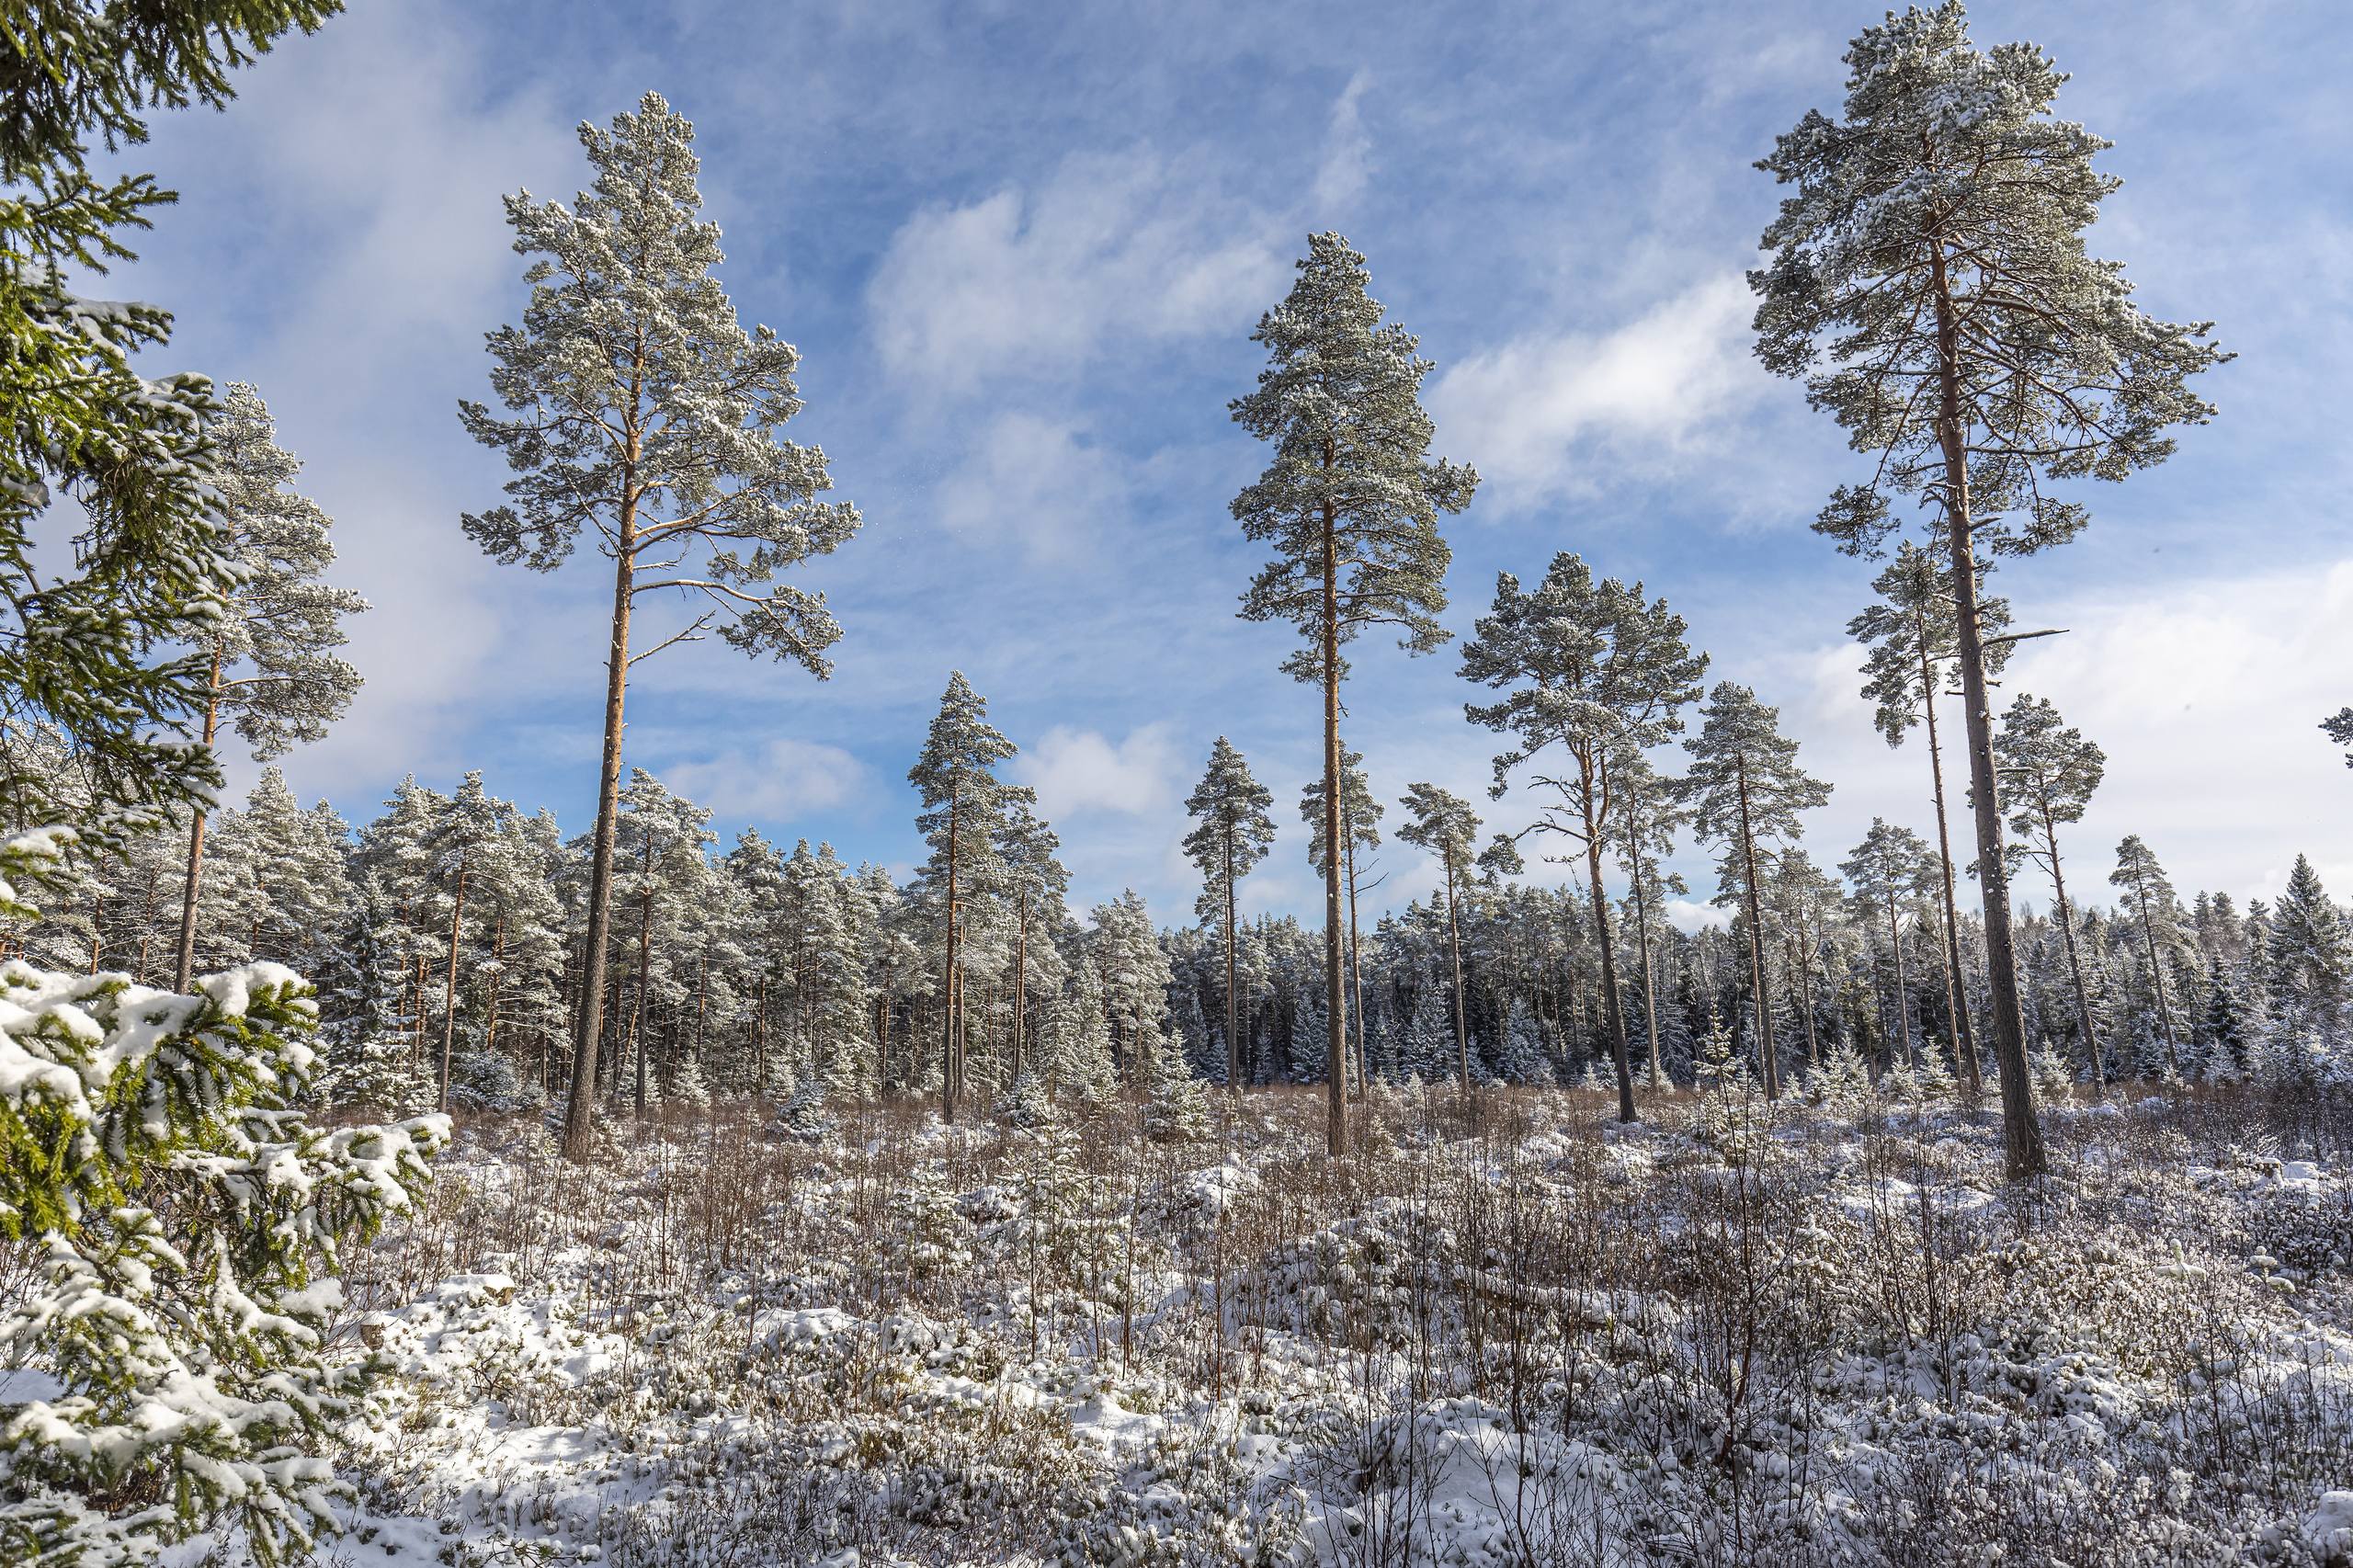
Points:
(1731, 1335)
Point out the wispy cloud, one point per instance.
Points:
(1551, 414)
(1077, 771)
(1128, 247)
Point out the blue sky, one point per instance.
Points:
(1021, 249)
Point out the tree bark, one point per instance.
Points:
(2023, 1152)
(1356, 972)
(1335, 1098)
(580, 1113)
(1956, 989)
(183, 967)
(1232, 997)
(950, 1088)
(1613, 1011)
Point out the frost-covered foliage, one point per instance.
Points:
(1742, 1331)
(175, 1228)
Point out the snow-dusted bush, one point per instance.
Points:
(186, 1224)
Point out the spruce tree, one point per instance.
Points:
(1912, 638)
(2151, 901)
(179, 1226)
(2308, 952)
(1595, 674)
(1744, 785)
(1930, 284)
(273, 673)
(1234, 834)
(1443, 823)
(151, 570)
(1360, 829)
(646, 413)
(2049, 772)
(1350, 506)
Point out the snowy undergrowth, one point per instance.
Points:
(1736, 1334)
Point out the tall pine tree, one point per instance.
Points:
(646, 413)
(1350, 505)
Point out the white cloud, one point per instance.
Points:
(1691, 914)
(1038, 281)
(1076, 770)
(1346, 167)
(1541, 414)
(2207, 699)
(777, 781)
(1033, 482)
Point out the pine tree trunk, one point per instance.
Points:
(184, 968)
(1356, 971)
(644, 969)
(1766, 1057)
(1642, 937)
(1612, 1012)
(1454, 943)
(1956, 990)
(1336, 1099)
(2021, 1130)
(949, 1086)
(450, 982)
(2075, 965)
(580, 1114)
(1232, 997)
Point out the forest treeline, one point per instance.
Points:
(445, 936)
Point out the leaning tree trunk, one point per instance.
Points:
(184, 969)
(1643, 938)
(1611, 1010)
(1956, 991)
(1336, 1098)
(580, 1113)
(2021, 1128)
